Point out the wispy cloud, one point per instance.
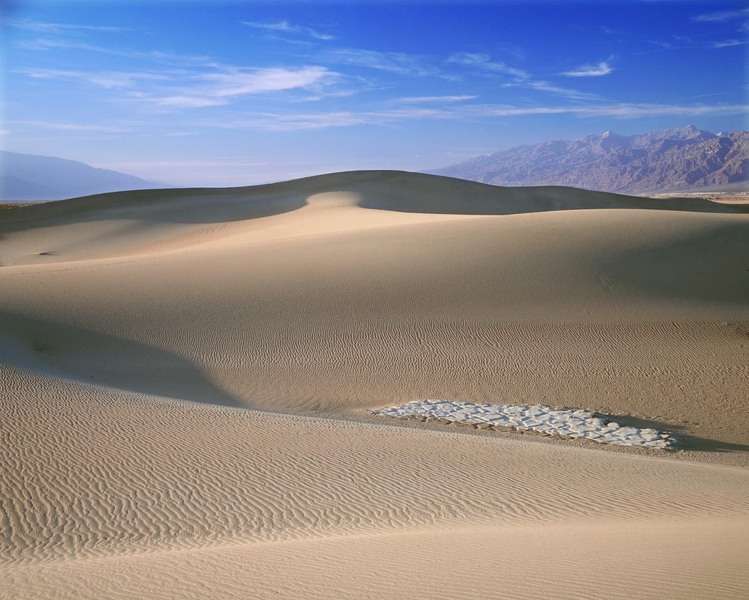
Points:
(545, 86)
(518, 78)
(71, 127)
(621, 110)
(268, 121)
(186, 81)
(433, 99)
(322, 120)
(156, 56)
(293, 122)
(392, 62)
(681, 42)
(593, 70)
(216, 89)
(289, 28)
(721, 16)
(46, 27)
(484, 61)
(239, 82)
(105, 79)
(728, 43)
(183, 101)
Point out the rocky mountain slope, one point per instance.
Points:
(661, 161)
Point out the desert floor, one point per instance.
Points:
(186, 375)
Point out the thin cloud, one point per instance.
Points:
(322, 120)
(721, 16)
(178, 101)
(484, 61)
(45, 27)
(104, 79)
(268, 121)
(216, 89)
(286, 27)
(188, 81)
(596, 70)
(71, 127)
(623, 110)
(433, 99)
(728, 43)
(550, 88)
(169, 58)
(240, 83)
(398, 63)
(519, 78)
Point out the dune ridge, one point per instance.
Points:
(137, 329)
(123, 223)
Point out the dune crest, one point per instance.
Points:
(147, 221)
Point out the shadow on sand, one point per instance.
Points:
(87, 356)
(683, 440)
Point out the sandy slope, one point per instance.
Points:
(330, 295)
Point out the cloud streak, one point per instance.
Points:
(322, 120)
(728, 43)
(484, 62)
(45, 27)
(721, 16)
(433, 99)
(189, 81)
(216, 89)
(519, 78)
(156, 56)
(595, 70)
(70, 127)
(545, 86)
(104, 79)
(398, 63)
(288, 28)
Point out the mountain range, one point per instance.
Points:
(28, 177)
(681, 159)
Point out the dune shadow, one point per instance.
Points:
(155, 207)
(709, 266)
(87, 356)
(385, 190)
(683, 440)
(415, 192)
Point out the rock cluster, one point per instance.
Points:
(522, 417)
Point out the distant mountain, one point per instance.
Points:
(27, 177)
(662, 161)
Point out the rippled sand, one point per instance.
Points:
(136, 330)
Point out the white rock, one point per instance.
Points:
(577, 423)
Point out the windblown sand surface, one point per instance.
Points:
(136, 329)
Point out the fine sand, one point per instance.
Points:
(138, 328)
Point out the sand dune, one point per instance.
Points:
(136, 330)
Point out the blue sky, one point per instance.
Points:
(230, 93)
